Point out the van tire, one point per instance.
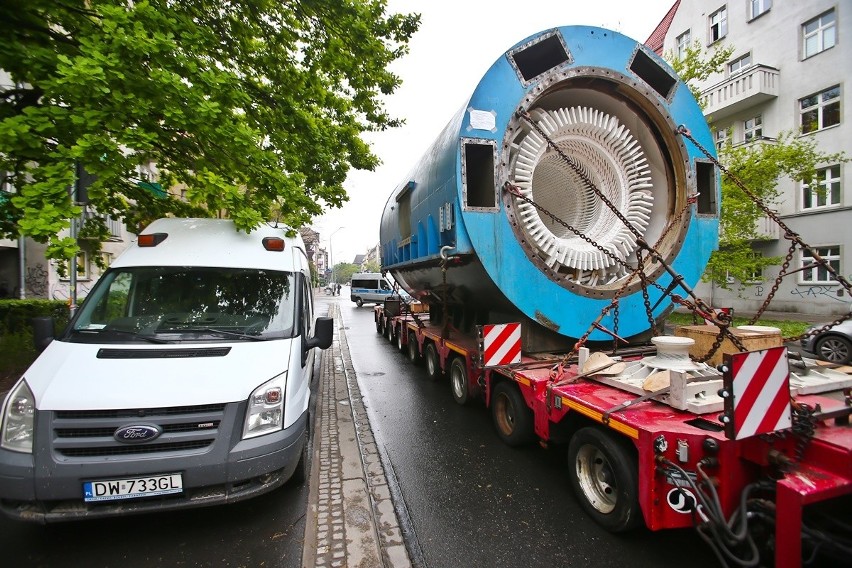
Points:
(303, 468)
(359, 302)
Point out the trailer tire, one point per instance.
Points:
(458, 381)
(512, 418)
(400, 339)
(433, 363)
(389, 331)
(380, 325)
(603, 472)
(413, 349)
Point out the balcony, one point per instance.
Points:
(767, 229)
(750, 87)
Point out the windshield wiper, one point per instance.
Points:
(222, 332)
(134, 334)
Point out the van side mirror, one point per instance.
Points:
(42, 332)
(323, 333)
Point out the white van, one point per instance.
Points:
(183, 380)
(369, 287)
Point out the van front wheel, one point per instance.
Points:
(359, 302)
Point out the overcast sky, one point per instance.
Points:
(457, 42)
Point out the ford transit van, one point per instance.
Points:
(182, 380)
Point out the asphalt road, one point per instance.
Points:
(471, 500)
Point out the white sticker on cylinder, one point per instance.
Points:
(482, 119)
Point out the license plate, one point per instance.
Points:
(132, 488)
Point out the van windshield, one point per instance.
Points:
(188, 304)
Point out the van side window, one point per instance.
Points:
(385, 285)
(306, 306)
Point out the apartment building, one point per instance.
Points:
(788, 72)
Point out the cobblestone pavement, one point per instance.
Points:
(351, 521)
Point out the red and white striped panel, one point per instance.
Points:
(501, 344)
(761, 389)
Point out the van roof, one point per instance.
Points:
(214, 242)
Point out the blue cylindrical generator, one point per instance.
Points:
(563, 111)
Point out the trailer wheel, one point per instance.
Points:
(359, 302)
(511, 415)
(400, 340)
(604, 477)
(414, 349)
(433, 364)
(389, 331)
(458, 381)
(380, 325)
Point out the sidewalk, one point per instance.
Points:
(351, 520)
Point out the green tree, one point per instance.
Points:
(343, 271)
(758, 166)
(372, 266)
(694, 67)
(252, 107)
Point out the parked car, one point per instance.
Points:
(834, 344)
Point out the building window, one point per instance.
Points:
(758, 7)
(817, 273)
(755, 275)
(820, 110)
(826, 190)
(84, 268)
(819, 34)
(753, 128)
(739, 64)
(718, 24)
(721, 138)
(683, 41)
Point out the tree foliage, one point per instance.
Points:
(252, 107)
(758, 166)
(694, 67)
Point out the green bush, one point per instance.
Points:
(16, 335)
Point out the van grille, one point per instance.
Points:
(89, 433)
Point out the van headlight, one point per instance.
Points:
(265, 412)
(16, 420)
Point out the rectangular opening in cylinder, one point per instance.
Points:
(533, 60)
(656, 77)
(478, 174)
(705, 173)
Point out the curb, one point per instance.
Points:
(351, 520)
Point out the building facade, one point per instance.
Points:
(787, 73)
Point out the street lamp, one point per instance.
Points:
(331, 256)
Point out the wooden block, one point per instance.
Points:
(705, 335)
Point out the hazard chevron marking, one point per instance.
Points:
(761, 391)
(501, 344)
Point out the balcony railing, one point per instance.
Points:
(767, 229)
(747, 88)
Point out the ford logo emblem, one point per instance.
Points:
(137, 433)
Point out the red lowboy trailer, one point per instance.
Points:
(668, 457)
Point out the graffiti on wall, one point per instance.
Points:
(62, 291)
(37, 282)
(809, 292)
